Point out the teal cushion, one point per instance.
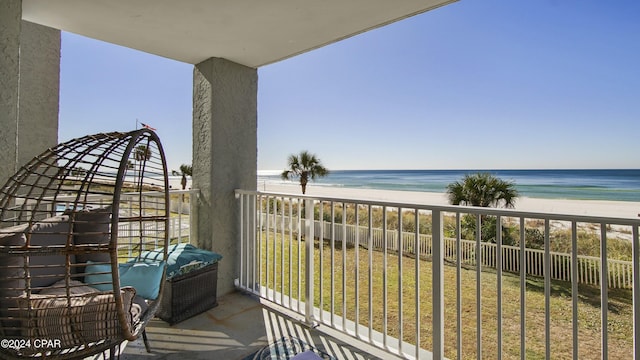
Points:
(181, 255)
(144, 277)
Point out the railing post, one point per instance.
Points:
(253, 261)
(437, 242)
(636, 292)
(309, 266)
(238, 281)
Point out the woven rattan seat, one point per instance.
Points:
(73, 222)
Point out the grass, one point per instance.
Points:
(356, 265)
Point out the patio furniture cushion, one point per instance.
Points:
(49, 232)
(144, 277)
(181, 255)
(75, 288)
(83, 318)
(91, 227)
(12, 273)
(43, 269)
(11, 276)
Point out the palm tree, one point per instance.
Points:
(482, 189)
(305, 166)
(185, 170)
(141, 154)
(486, 190)
(78, 171)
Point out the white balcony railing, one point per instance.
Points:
(620, 272)
(443, 286)
(179, 219)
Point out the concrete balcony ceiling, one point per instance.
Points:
(250, 32)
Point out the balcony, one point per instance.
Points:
(380, 277)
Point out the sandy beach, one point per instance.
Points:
(616, 209)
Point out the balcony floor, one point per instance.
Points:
(239, 326)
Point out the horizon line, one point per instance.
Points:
(465, 169)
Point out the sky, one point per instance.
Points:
(491, 84)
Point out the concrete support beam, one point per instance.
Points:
(39, 90)
(224, 156)
(29, 88)
(10, 25)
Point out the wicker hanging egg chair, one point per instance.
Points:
(73, 224)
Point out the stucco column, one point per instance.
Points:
(39, 90)
(224, 156)
(29, 88)
(10, 24)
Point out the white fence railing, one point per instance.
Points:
(620, 273)
(397, 302)
(179, 220)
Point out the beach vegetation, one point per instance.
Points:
(488, 230)
(78, 171)
(185, 170)
(377, 217)
(482, 189)
(534, 238)
(589, 244)
(560, 234)
(305, 167)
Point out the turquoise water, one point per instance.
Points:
(610, 184)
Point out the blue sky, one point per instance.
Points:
(492, 84)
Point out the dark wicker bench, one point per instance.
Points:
(191, 284)
(189, 294)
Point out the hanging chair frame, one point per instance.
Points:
(82, 212)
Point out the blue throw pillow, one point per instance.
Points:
(144, 277)
(98, 273)
(181, 255)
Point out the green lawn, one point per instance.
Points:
(620, 314)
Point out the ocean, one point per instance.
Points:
(609, 184)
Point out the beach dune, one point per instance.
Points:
(599, 208)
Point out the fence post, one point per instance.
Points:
(309, 266)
